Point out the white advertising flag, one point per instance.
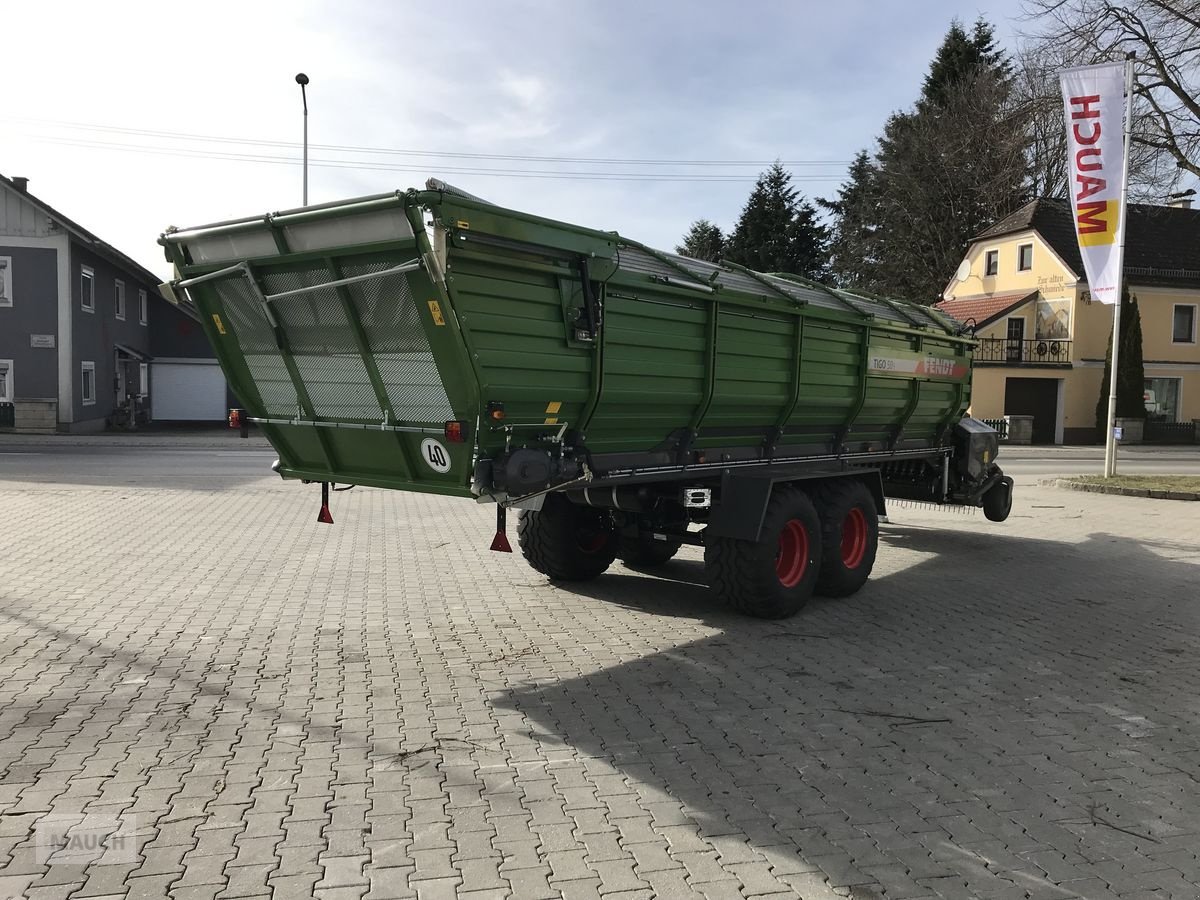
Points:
(1094, 104)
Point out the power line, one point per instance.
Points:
(344, 148)
(196, 153)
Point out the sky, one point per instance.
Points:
(132, 116)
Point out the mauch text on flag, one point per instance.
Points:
(1094, 108)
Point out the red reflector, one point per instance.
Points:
(456, 432)
(235, 418)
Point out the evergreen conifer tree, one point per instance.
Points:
(778, 230)
(1131, 371)
(704, 240)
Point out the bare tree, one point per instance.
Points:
(1037, 106)
(946, 173)
(1165, 36)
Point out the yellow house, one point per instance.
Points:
(1043, 340)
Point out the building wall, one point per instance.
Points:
(1090, 334)
(1048, 275)
(1163, 357)
(176, 335)
(34, 310)
(95, 333)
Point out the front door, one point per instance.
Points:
(1016, 339)
(1037, 397)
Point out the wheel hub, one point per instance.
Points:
(854, 538)
(792, 561)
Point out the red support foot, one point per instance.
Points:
(323, 516)
(500, 542)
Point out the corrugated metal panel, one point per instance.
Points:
(633, 259)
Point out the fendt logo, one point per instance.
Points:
(1094, 218)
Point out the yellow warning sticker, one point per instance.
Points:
(551, 421)
(220, 325)
(435, 310)
(553, 407)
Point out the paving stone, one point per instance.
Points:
(385, 697)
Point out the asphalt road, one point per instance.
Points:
(127, 462)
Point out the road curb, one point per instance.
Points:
(1090, 488)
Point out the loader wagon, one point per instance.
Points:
(626, 401)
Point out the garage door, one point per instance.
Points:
(188, 392)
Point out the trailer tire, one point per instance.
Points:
(849, 536)
(566, 542)
(774, 577)
(646, 551)
(997, 502)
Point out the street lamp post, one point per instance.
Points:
(302, 80)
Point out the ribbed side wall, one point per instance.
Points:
(654, 372)
(514, 320)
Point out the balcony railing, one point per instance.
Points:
(1035, 352)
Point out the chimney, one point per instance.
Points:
(21, 184)
(1182, 200)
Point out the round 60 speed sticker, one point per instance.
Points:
(435, 455)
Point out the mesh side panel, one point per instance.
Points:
(274, 384)
(315, 321)
(322, 343)
(387, 310)
(256, 337)
(391, 320)
(339, 387)
(323, 346)
(254, 332)
(414, 387)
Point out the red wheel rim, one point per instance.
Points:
(792, 561)
(854, 538)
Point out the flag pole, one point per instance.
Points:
(1110, 439)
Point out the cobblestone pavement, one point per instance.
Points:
(207, 695)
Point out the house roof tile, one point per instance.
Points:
(986, 308)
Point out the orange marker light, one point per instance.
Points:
(456, 432)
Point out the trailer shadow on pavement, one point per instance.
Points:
(990, 713)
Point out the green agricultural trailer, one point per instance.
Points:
(627, 401)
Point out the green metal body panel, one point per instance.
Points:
(351, 382)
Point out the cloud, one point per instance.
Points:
(623, 80)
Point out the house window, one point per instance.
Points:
(1162, 399)
(1025, 257)
(991, 262)
(87, 289)
(1016, 339)
(88, 382)
(5, 281)
(6, 381)
(1183, 325)
(143, 307)
(119, 298)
